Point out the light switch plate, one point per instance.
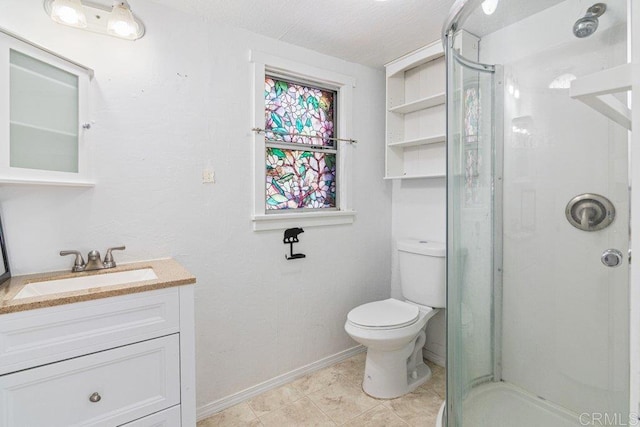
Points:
(208, 176)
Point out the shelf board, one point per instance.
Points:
(40, 182)
(420, 104)
(434, 139)
(425, 176)
(596, 90)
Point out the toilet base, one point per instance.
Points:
(386, 375)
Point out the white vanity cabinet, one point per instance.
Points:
(123, 360)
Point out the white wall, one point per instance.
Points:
(419, 212)
(165, 107)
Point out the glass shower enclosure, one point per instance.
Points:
(538, 215)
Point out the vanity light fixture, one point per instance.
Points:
(121, 22)
(117, 20)
(68, 12)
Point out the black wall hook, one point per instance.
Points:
(291, 237)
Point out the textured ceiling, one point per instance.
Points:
(368, 32)
(364, 31)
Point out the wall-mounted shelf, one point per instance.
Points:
(415, 117)
(596, 90)
(419, 141)
(421, 104)
(46, 182)
(426, 176)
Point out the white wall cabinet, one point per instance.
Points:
(125, 360)
(415, 115)
(43, 115)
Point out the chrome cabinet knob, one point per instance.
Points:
(95, 397)
(611, 258)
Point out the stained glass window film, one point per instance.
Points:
(300, 179)
(294, 109)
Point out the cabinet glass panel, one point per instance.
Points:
(43, 115)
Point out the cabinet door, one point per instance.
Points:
(42, 112)
(167, 418)
(102, 389)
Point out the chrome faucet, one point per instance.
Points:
(94, 262)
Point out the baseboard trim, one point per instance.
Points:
(216, 406)
(433, 357)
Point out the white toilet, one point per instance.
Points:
(394, 331)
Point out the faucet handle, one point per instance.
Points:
(108, 257)
(79, 264)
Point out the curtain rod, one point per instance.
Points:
(350, 141)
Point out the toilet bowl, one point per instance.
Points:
(394, 364)
(394, 331)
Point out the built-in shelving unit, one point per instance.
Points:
(415, 116)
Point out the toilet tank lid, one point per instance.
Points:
(422, 247)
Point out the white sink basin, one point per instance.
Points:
(85, 282)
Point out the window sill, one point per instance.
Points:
(264, 222)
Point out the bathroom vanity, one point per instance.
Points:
(110, 355)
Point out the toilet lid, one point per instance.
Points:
(384, 314)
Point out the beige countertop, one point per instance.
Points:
(169, 272)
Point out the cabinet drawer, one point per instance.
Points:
(167, 418)
(126, 383)
(42, 336)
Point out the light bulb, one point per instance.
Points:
(489, 6)
(516, 93)
(68, 12)
(511, 89)
(121, 22)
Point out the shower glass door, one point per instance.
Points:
(472, 162)
(537, 323)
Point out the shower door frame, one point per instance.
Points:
(634, 215)
(497, 173)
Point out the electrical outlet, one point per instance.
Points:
(208, 176)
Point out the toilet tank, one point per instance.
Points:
(423, 272)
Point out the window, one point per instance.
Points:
(301, 167)
(301, 151)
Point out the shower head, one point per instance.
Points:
(588, 24)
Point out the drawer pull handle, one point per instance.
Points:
(95, 397)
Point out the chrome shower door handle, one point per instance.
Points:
(611, 258)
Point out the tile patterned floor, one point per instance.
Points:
(334, 397)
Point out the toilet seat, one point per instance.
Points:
(387, 314)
